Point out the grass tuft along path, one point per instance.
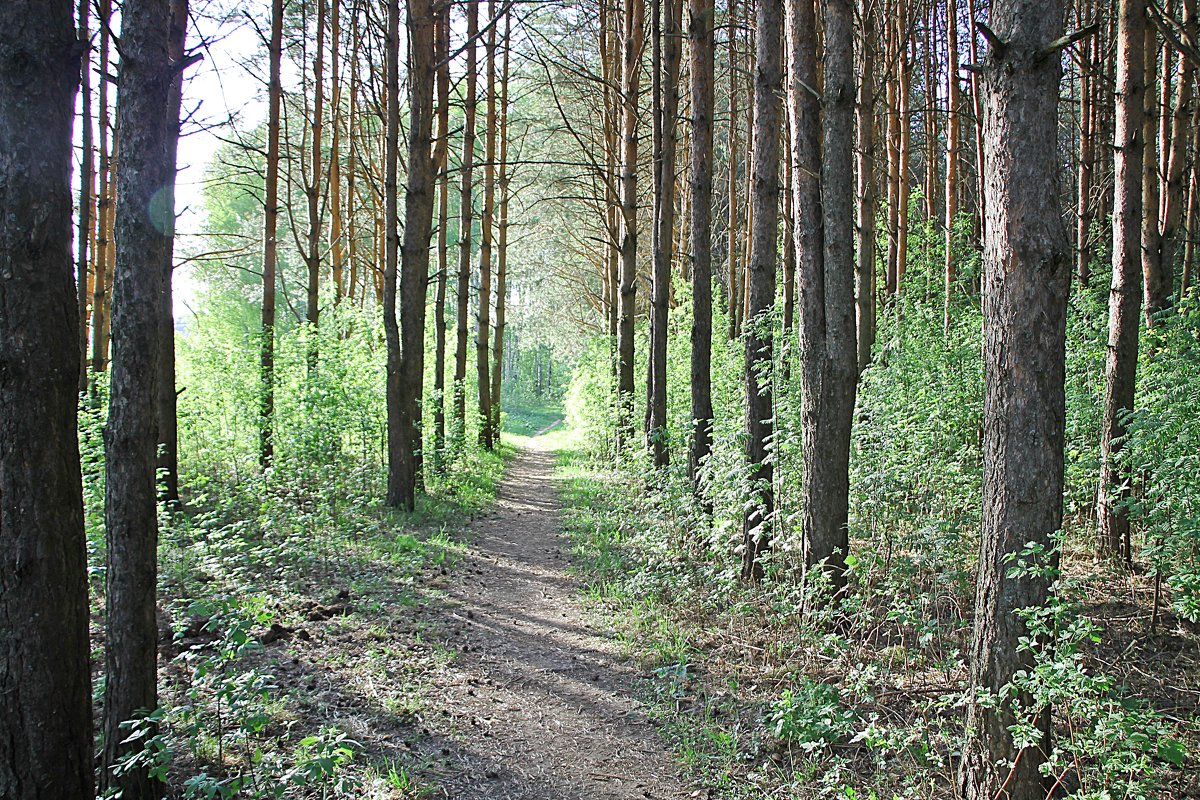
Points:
(536, 704)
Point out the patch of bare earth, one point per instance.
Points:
(537, 703)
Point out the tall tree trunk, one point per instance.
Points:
(1173, 195)
(864, 273)
(502, 237)
(1087, 159)
(87, 180)
(953, 99)
(45, 686)
(414, 275)
(667, 42)
(703, 76)
(465, 223)
(828, 344)
(442, 164)
(100, 296)
(1125, 294)
(733, 269)
(1027, 268)
(337, 243)
(483, 335)
(760, 288)
(401, 490)
(266, 423)
(143, 251)
(313, 189)
(632, 42)
(168, 423)
(1193, 216)
(1156, 290)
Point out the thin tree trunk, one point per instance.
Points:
(168, 423)
(143, 252)
(1125, 294)
(313, 189)
(483, 335)
(632, 42)
(1193, 217)
(271, 240)
(502, 237)
(87, 180)
(1027, 266)
(337, 243)
(667, 109)
(733, 270)
(1156, 289)
(101, 283)
(864, 274)
(45, 686)
(953, 99)
(1173, 195)
(465, 223)
(442, 164)
(760, 288)
(703, 76)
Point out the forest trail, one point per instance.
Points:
(539, 704)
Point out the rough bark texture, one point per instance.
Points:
(868, 196)
(667, 13)
(270, 240)
(100, 296)
(760, 288)
(465, 223)
(1174, 198)
(953, 100)
(1027, 273)
(423, 55)
(700, 35)
(87, 181)
(399, 493)
(143, 246)
(632, 42)
(312, 190)
(1125, 294)
(501, 238)
(45, 691)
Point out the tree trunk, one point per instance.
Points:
(337, 244)
(270, 240)
(633, 41)
(45, 686)
(703, 76)
(442, 164)
(828, 344)
(667, 109)
(733, 269)
(100, 296)
(143, 251)
(313, 189)
(502, 238)
(760, 288)
(1125, 294)
(483, 335)
(168, 423)
(1155, 285)
(1173, 195)
(465, 223)
(864, 274)
(953, 99)
(1027, 268)
(87, 180)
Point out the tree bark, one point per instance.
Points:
(1027, 268)
(312, 190)
(502, 237)
(87, 180)
(763, 267)
(1125, 294)
(1173, 195)
(45, 686)
(703, 76)
(465, 223)
(1156, 291)
(864, 274)
(667, 109)
(953, 99)
(442, 164)
(101, 282)
(632, 42)
(270, 240)
(483, 336)
(143, 249)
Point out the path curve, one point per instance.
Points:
(539, 704)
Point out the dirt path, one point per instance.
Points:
(538, 703)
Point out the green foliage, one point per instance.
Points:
(810, 716)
